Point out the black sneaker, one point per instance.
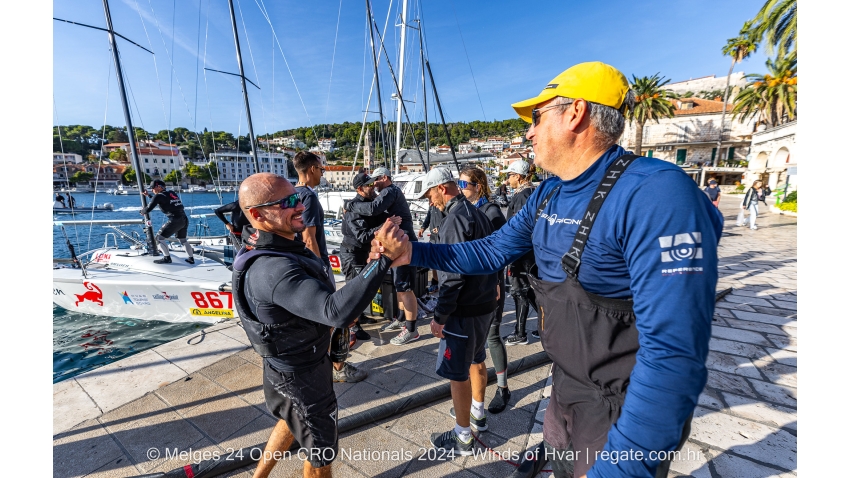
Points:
(451, 442)
(535, 334)
(358, 332)
(164, 260)
(500, 400)
(366, 320)
(477, 424)
(190, 260)
(515, 339)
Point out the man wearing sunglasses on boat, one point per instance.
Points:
(287, 304)
(171, 205)
(625, 281)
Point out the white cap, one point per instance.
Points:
(435, 177)
(380, 172)
(519, 167)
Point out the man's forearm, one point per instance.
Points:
(310, 242)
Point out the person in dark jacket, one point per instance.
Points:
(392, 201)
(519, 178)
(237, 220)
(473, 184)
(357, 234)
(465, 309)
(432, 221)
(170, 204)
(752, 198)
(289, 293)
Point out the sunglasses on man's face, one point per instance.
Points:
(288, 202)
(538, 112)
(465, 184)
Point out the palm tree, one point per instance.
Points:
(771, 97)
(738, 48)
(778, 19)
(652, 102)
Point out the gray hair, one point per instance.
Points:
(609, 122)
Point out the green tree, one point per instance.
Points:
(118, 155)
(652, 102)
(129, 176)
(777, 19)
(117, 136)
(80, 177)
(738, 48)
(173, 176)
(770, 98)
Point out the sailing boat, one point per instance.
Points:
(124, 282)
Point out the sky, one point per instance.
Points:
(312, 63)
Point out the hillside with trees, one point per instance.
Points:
(82, 139)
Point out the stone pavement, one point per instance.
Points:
(745, 424)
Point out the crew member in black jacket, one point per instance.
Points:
(287, 304)
(432, 221)
(391, 199)
(465, 309)
(237, 220)
(521, 291)
(171, 205)
(473, 184)
(357, 234)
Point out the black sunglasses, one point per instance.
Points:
(538, 112)
(286, 203)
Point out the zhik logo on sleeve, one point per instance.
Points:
(681, 247)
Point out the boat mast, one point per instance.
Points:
(131, 132)
(442, 118)
(377, 82)
(399, 97)
(424, 93)
(252, 139)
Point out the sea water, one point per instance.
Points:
(82, 342)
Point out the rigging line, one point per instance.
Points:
(195, 118)
(467, 60)
(209, 107)
(159, 82)
(65, 165)
(105, 111)
(333, 60)
(171, 62)
(286, 62)
(251, 54)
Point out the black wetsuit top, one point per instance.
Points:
(169, 202)
(391, 199)
(237, 217)
(358, 230)
(281, 292)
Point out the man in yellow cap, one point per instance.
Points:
(624, 281)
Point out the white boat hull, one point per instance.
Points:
(122, 283)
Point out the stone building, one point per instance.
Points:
(772, 156)
(689, 139)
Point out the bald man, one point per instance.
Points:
(287, 304)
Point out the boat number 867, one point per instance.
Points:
(211, 300)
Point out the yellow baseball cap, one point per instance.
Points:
(592, 81)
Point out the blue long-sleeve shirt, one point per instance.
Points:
(655, 240)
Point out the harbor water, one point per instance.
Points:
(83, 342)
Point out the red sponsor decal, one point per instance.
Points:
(213, 300)
(334, 260)
(94, 294)
(448, 354)
(102, 257)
